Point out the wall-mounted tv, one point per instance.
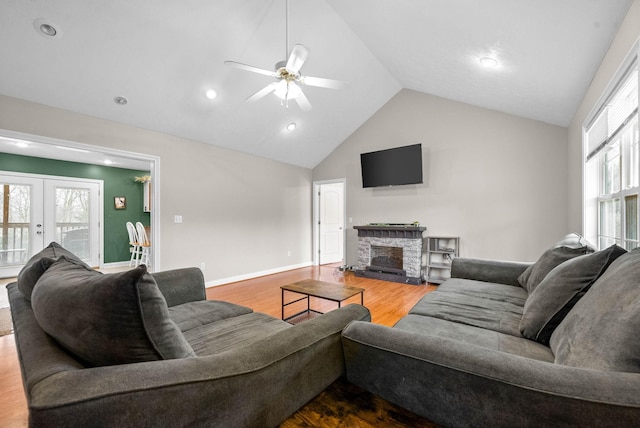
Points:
(392, 167)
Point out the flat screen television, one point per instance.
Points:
(392, 167)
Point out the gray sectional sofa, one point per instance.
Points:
(147, 350)
(506, 344)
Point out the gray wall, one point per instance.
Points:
(242, 214)
(497, 181)
(627, 36)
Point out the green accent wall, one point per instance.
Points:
(117, 182)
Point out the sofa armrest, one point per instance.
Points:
(181, 285)
(259, 384)
(502, 272)
(458, 384)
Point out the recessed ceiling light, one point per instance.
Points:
(210, 94)
(488, 62)
(47, 28)
(120, 100)
(21, 144)
(107, 162)
(291, 126)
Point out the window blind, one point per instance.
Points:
(616, 113)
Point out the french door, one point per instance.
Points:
(35, 210)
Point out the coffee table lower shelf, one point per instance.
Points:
(320, 289)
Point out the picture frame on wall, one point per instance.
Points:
(120, 202)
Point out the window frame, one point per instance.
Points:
(594, 196)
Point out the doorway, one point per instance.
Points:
(329, 221)
(36, 210)
(88, 154)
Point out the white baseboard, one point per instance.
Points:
(252, 275)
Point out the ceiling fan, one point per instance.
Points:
(288, 76)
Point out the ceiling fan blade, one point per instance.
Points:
(303, 102)
(262, 92)
(321, 82)
(251, 68)
(299, 55)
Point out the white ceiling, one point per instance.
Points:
(163, 55)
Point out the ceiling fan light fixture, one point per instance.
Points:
(287, 90)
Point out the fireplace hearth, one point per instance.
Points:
(391, 253)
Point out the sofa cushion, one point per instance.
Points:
(468, 334)
(196, 314)
(39, 263)
(572, 245)
(560, 290)
(106, 319)
(601, 331)
(492, 306)
(232, 333)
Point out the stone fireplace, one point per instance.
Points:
(391, 253)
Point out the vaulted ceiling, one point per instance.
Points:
(162, 56)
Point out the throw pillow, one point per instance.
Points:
(560, 290)
(572, 245)
(39, 263)
(107, 319)
(601, 331)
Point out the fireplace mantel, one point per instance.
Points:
(390, 231)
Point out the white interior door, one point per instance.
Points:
(36, 210)
(331, 223)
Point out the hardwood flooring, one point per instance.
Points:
(342, 404)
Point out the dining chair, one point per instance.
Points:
(145, 244)
(134, 245)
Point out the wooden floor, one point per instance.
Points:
(342, 404)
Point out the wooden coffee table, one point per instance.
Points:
(323, 290)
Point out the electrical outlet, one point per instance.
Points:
(177, 219)
(289, 253)
(202, 266)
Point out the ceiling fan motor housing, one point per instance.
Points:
(284, 73)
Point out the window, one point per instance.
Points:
(612, 166)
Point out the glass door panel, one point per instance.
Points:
(72, 215)
(72, 220)
(14, 241)
(20, 222)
